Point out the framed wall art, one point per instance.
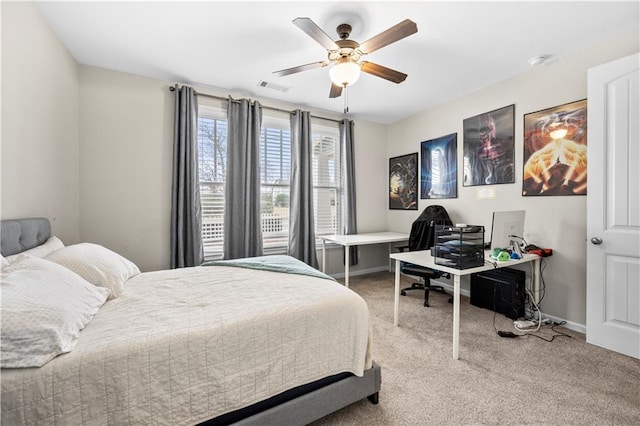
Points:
(439, 167)
(488, 143)
(555, 151)
(403, 182)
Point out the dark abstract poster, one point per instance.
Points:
(489, 148)
(439, 167)
(555, 151)
(403, 182)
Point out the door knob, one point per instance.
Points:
(596, 241)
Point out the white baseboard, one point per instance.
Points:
(580, 328)
(354, 273)
(449, 287)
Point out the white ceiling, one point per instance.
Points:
(460, 47)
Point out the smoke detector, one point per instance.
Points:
(538, 60)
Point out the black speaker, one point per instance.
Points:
(501, 290)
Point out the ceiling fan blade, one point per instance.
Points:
(315, 32)
(383, 72)
(336, 91)
(301, 68)
(393, 34)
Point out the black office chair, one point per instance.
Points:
(422, 237)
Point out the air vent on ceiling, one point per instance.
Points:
(272, 86)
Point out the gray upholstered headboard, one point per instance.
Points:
(18, 235)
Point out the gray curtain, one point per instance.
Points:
(302, 236)
(349, 189)
(186, 229)
(242, 223)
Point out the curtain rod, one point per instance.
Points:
(206, 95)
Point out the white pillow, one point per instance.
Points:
(96, 264)
(49, 246)
(44, 306)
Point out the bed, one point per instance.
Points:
(214, 344)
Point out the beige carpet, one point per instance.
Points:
(496, 380)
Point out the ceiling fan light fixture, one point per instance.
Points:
(344, 73)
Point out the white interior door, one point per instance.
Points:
(613, 206)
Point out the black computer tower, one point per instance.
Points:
(501, 290)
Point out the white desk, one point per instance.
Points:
(359, 240)
(424, 258)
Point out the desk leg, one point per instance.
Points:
(347, 261)
(456, 315)
(396, 295)
(389, 257)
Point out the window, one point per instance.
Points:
(212, 155)
(275, 169)
(327, 180)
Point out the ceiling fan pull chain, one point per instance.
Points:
(346, 99)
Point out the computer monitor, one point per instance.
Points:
(504, 225)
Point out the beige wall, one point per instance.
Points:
(40, 123)
(555, 222)
(126, 125)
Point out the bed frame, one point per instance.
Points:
(301, 405)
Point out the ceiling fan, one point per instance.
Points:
(345, 55)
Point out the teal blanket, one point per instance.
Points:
(276, 263)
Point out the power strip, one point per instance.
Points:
(524, 324)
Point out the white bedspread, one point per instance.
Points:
(179, 347)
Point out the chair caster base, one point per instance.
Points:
(404, 293)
